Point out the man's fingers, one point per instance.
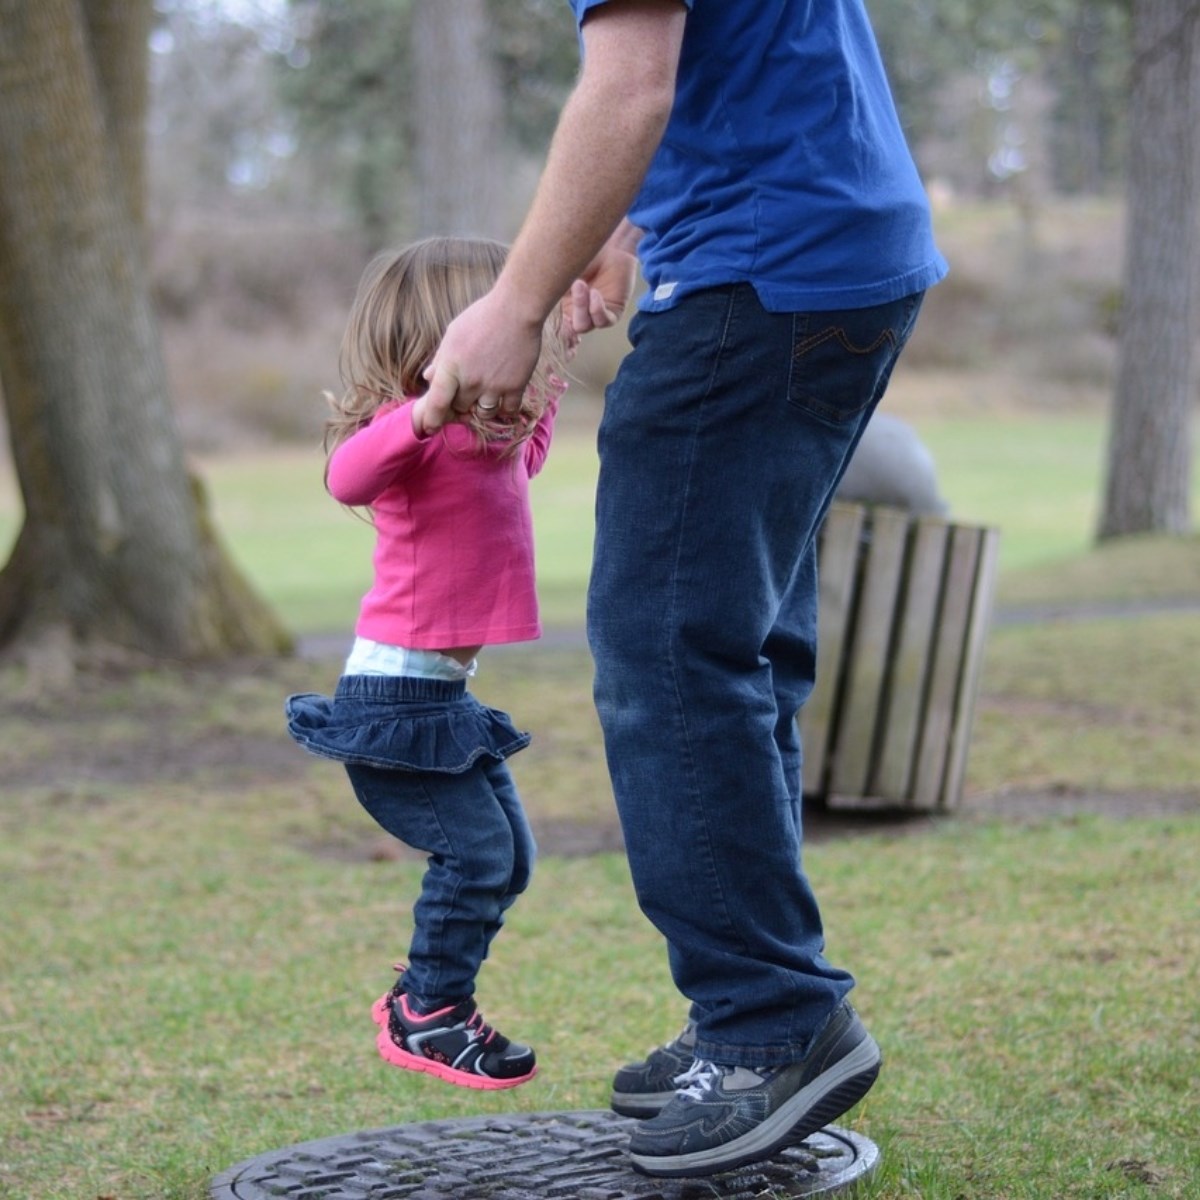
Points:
(508, 404)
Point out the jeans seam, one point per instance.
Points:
(436, 937)
(673, 662)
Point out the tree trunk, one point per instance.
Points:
(1148, 487)
(117, 32)
(116, 549)
(456, 102)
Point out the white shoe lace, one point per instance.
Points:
(698, 1079)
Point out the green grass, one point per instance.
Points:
(1035, 475)
(1105, 705)
(192, 937)
(308, 556)
(186, 986)
(1123, 571)
(197, 916)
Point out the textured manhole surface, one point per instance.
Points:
(534, 1156)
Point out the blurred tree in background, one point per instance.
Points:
(456, 103)
(1150, 451)
(1029, 90)
(115, 551)
(215, 125)
(348, 86)
(1019, 97)
(415, 109)
(288, 139)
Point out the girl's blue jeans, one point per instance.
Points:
(426, 760)
(723, 438)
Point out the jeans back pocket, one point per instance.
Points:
(842, 360)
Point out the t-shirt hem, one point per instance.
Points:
(803, 298)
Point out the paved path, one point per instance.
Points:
(1091, 610)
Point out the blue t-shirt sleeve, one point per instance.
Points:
(582, 7)
(783, 164)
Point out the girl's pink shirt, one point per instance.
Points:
(454, 558)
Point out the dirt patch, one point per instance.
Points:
(555, 838)
(138, 727)
(1069, 801)
(223, 727)
(575, 839)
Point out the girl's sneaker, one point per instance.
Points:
(454, 1043)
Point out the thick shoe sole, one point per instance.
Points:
(827, 1097)
(391, 1053)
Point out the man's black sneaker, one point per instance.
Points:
(454, 1043)
(724, 1117)
(642, 1089)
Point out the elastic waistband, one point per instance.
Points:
(399, 687)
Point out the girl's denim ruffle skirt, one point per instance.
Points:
(402, 724)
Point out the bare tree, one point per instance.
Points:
(116, 549)
(1148, 482)
(456, 120)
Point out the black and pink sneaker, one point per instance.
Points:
(453, 1043)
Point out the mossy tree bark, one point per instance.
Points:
(116, 551)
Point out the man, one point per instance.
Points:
(786, 242)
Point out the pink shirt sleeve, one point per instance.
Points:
(537, 447)
(375, 457)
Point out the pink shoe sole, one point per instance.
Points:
(390, 1052)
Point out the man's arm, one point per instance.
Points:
(607, 134)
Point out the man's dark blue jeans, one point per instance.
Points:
(723, 438)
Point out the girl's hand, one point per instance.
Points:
(567, 335)
(598, 298)
(417, 413)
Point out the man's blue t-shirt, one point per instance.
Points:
(783, 164)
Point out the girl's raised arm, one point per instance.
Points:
(375, 457)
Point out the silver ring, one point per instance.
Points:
(487, 408)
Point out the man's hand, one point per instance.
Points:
(489, 353)
(485, 360)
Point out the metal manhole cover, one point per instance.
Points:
(529, 1156)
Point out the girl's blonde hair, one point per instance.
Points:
(405, 301)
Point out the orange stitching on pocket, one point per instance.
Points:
(832, 331)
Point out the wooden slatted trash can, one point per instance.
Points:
(905, 607)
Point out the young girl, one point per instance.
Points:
(453, 573)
